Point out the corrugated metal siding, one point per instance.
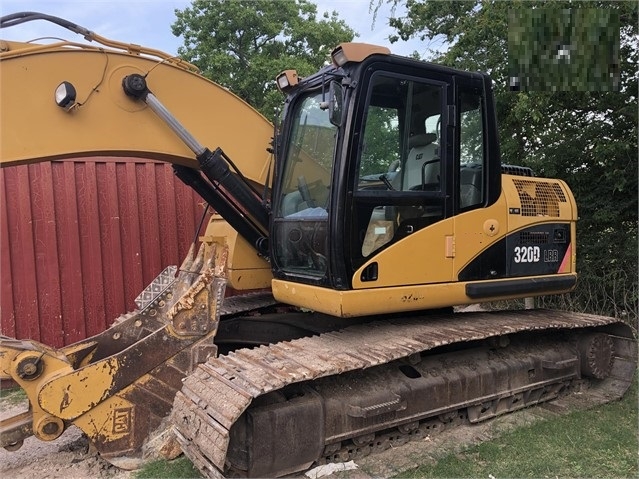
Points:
(81, 238)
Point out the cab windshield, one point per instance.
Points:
(309, 160)
(302, 210)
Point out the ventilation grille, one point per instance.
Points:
(528, 237)
(517, 170)
(559, 192)
(539, 198)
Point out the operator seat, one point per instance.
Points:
(422, 150)
(293, 203)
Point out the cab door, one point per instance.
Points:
(401, 202)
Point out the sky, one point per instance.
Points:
(148, 22)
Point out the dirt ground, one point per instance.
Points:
(69, 457)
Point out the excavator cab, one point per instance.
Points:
(373, 151)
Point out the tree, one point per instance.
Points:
(381, 141)
(588, 138)
(244, 44)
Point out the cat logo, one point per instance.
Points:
(122, 421)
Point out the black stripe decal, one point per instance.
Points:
(537, 250)
(547, 285)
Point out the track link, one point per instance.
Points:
(220, 390)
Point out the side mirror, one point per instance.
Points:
(335, 102)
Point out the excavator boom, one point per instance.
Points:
(103, 120)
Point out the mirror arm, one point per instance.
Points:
(323, 104)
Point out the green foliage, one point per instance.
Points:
(564, 49)
(587, 138)
(381, 141)
(244, 44)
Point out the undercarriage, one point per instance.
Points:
(347, 393)
(249, 387)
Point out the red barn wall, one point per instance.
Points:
(80, 239)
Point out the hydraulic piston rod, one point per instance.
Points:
(229, 193)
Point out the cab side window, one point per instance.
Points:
(399, 183)
(381, 146)
(471, 151)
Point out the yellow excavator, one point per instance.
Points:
(349, 233)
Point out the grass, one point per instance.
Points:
(601, 442)
(12, 396)
(178, 468)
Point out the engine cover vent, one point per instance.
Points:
(517, 170)
(539, 198)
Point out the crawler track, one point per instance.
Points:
(206, 412)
